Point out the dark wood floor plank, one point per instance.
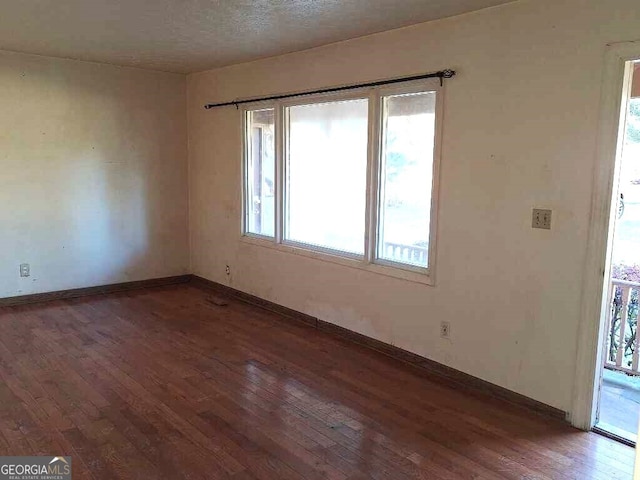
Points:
(161, 383)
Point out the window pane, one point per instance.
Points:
(406, 177)
(260, 180)
(327, 175)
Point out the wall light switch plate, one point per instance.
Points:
(541, 219)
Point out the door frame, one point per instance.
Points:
(616, 85)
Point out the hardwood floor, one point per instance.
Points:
(163, 383)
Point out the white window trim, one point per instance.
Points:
(368, 261)
(245, 169)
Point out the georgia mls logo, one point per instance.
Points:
(35, 468)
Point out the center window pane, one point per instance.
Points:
(326, 175)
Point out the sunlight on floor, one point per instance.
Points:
(620, 404)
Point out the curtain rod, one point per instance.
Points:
(440, 74)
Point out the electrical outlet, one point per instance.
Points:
(541, 218)
(24, 270)
(228, 270)
(445, 329)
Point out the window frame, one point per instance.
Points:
(246, 154)
(370, 260)
(406, 89)
(319, 99)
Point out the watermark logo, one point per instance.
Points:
(35, 468)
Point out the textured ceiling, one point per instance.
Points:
(193, 35)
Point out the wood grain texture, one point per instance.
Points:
(163, 383)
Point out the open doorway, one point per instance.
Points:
(619, 403)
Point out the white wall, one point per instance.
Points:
(93, 174)
(519, 131)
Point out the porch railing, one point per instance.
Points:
(410, 253)
(622, 342)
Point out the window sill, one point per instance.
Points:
(407, 274)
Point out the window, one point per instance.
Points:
(260, 181)
(326, 174)
(351, 176)
(406, 177)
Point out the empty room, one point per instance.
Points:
(319, 239)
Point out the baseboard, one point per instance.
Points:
(442, 373)
(97, 290)
(253, 300)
